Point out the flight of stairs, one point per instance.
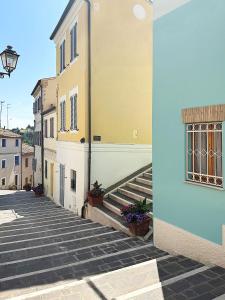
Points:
(135, 189)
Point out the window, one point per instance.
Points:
(73, 183)
(17, 143)
(204, 153)
(63, 115)
(3, 181)
(26, 162)
(62, 56)
(46, 128)
(17, 160)
(73, 42)
(46, 169)
(16, 180)
(73, 103)
(3, 143)
(3, 164)
(52, 127)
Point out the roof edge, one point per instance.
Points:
(62, 18)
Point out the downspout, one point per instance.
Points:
(89, 104)
(42, 140)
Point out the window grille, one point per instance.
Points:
(204, 153)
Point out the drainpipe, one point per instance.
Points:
(89, 102)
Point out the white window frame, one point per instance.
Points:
(200, 177)
(5, 163)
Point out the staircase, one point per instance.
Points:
(136, 188)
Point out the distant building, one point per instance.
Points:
(44, 94)
(27, 158)
(10, 159)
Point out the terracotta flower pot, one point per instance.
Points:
(95, 201)
(140, 229)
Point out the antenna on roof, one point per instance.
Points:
(1, 105)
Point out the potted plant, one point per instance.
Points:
(27, 187)
(38, 190)
(137, 218)
(95, 196)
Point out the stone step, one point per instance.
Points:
(113, 205)
(24, 203)
(147, 175)
(63, 229)
(83, 264)
(144, 180)
(68, 257)
(40, 210)
(140, 187)
(134, 194)
(117, 200)
(26, 222)
(122, 199)
(71, 234)
(56, 247)
(27, 206)
(33, 231)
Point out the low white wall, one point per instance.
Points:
(112, 163)
(74, 157)
(178, 241)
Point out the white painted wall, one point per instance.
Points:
(112, 163)
(163, 7)
(74, 157)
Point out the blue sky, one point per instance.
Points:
(27, 26)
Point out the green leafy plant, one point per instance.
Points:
(97, 191)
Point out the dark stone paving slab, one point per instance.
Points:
(206, 285)
(77, 248)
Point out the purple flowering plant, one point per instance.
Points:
(136, 213)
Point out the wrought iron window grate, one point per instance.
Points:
(204, 153)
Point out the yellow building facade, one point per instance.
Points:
(104, 77)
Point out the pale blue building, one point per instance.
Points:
(189, 128)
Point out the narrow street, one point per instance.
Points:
(49, 253)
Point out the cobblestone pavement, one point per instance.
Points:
(49, 253)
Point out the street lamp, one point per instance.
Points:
(9, 61)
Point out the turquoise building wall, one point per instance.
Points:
(189, 71)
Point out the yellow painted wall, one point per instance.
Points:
(74, 75)
(122, 72)
(49, 92)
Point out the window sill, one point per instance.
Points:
(74, 131)
(74, 60)
(205, 185)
